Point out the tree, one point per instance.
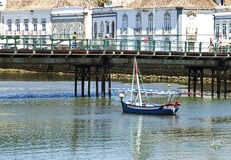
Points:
(102, 2)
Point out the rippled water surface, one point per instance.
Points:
(42, 120)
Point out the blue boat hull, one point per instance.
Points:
(149, 110)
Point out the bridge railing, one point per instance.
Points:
(35, 44)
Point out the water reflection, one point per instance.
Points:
(65, 127)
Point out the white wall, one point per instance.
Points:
(26, 14)
(3, 4)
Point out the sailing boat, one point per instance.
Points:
(137, 105)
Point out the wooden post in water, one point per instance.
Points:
(76, 78)
(109, 84)
(213, 82)
(105, 76)
(218, 83)
(189, 80)
(225, 84)
(82, 79)
(89, 80)
(194, 81)
(202, 81)
(97, 81)
(102, 73)
(103, 81)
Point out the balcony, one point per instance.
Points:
(8, 32)
(24, 32)
(149, 31)
(166, 30)
(17, 32)
(191, 32)
(35, 32)
(123, 31)
(42, 32)
(137, 31)
(100, 35)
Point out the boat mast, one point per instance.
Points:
(137, 81)
(133, 79)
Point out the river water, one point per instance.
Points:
(42, 120)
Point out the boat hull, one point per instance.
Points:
(149, 110)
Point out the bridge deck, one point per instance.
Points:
(7, 53)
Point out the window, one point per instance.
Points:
(71, 32)
(43, 24)
(95, 30)
(222, 2)
(138, 21)
(17, 23)
(9, 24)
(191, 46)
(167, 45)
(35, 24)
(107, 27)
(230, 30)
(55, 31)
(138, 28)
(217, 29)
(80, 30)
(124, 44)
(150, 21)
(63, 31)
(125, 22)
(113, 29)
(101, 26)
(167, 22)
(191, 24)
(26, 21)
(224, 35)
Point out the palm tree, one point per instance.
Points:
(102, 2)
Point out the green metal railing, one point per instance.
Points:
(18, 43)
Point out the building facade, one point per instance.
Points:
(222, 18)
(32, 26)
(67, 20)
(175, 24)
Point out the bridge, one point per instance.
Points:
(96, 57)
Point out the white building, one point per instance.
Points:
(2, 4)
(222, 18)
(176, 24)
(67, 20)
(32, 26)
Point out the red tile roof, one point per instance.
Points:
(46, 4)
(196, 4)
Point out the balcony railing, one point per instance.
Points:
(8, 32)
(149, 31)
(137, 31)
(191, 32)
(42, 32)
(100, 35)
(24, 32)
(166, 30)
(123, 31)
(35, 32)
(174, 47)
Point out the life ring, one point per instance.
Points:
(176, 104)
(30, 47)
(145, 40)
